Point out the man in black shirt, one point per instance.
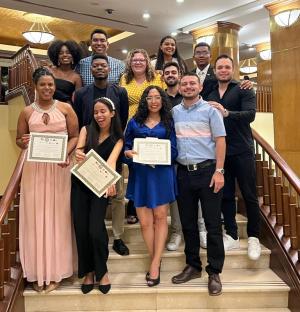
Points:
(84, 107)
(84, 97)
(238, 108)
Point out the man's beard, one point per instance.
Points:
(101, 78)
(172, 83)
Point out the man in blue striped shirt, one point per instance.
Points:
(201, 148)
(99, 45)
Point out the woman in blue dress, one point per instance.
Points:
(152, 188)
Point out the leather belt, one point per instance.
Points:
(195, 167)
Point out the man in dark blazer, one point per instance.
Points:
(204, 70)
(84, 107)
(84, 97)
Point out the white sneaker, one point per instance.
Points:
(254, 248)
(203, 239)
(174, 242)
(230, 243)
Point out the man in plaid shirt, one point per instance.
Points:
(99, 45)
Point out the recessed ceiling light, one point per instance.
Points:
(146, 15)
(179, 1)
(124, 51)
(174, 33)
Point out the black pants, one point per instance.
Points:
(91, 235)
(192, 187)
(242, 168)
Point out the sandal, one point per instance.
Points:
(132, 220)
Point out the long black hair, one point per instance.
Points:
(165, 111)
(73, 47)
(160, 56)
(93, 129)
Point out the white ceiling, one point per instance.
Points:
(166, 16)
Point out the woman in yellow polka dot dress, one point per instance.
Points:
(138, 75)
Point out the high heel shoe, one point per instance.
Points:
(104, 288)
(153, 281)
(147, 276)
(86, 288)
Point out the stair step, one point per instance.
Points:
(242, 289)
(132, 232)
(202, 310)
(174, 261)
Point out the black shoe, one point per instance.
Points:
(120, 248)
(104, 288)
(186, 275)
(214, 285)
(86, 288)
(153, 281)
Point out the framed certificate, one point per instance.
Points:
(152, 151)
(47, 147)
(95, 173)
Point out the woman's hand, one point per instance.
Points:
(66, 163)
(79, 155)
(111, 191)
(25, 140)
(130, 153)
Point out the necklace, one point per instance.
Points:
(45, 112)
(36, 107)
(152, 122)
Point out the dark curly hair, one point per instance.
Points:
(73, 47)
(160, 56)
(165, 111)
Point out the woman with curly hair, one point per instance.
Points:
(168, 52)
(138, 75)
(152, 188)
(65, 55)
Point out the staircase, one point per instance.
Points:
(247, 285)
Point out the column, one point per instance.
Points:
(285, 43)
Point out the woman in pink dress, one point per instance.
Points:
(45, 214)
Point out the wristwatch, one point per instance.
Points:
(220, 170)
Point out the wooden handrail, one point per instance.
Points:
(279, 189)
(20, 72)
(280, 162)
(12, 188)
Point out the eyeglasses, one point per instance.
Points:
(151, 98)
(136, 61)
(200, 53)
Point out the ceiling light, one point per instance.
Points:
(174, 34)
(179, 1)
(265, 54)
(207, 39)
(124, 51)
(287, 18)
(146, 15)
(248, 66)
(38, 33)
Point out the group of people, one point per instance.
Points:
(204, 113)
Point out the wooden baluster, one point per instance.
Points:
(265, 183)
(293, 222)
(1, 269)
(13, 234)
(278, 200)
(16, 209)
(259, 175)
(272, 201)
(5, 230)
(286, 214)
(298, 230)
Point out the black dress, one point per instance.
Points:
(64, 90)
(88, 217)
